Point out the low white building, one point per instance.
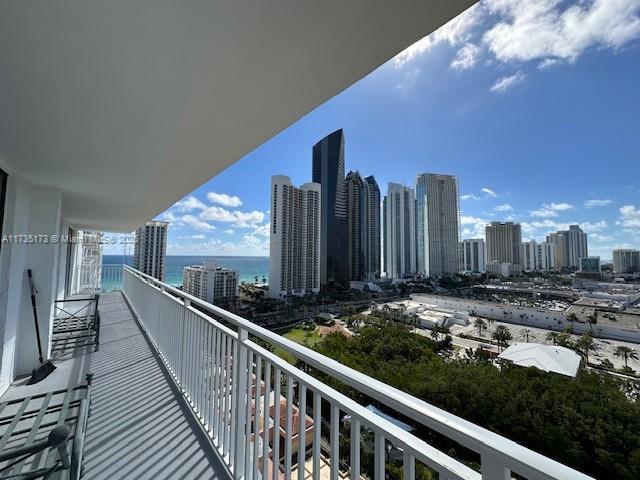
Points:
(548, 358)
(211, 283)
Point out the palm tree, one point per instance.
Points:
(592, 319)
(480, 325)
(571, 318)
(625, 353)
(553, 337)
(502, 335)
(586, 345)
(526, 334)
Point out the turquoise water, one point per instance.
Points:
(248, 267)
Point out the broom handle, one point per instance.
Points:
(35, 314)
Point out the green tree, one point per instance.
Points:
(501, 335)
(553, 337)
(586, 345)
(480, 325)
(626, 353)
(526, 334)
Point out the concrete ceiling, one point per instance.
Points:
(128, 105)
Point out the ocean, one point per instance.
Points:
(247, 267)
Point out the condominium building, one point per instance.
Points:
(294, 254)
(150, 250)
(211, 283)
(472, 255)
(503, 243)
(363, 207)
(545, 256)
(328, 171)
(529, 256)
(626, 260)
(373, 227)
(570, 245)
(437, 224)
(399, 228)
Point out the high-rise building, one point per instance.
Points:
(211, 283)
(503, 244)
(570, 245)
(328, 171)
(373, 228)
(545, 256)
(399, 228)
(529, 256)
(437, 224)
(294, 254)
(150, 250)
(626, 260)
(363, 207)
(358, 235)
(472, 255)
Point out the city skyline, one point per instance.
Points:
(541, 137)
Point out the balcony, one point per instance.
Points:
(184, 389)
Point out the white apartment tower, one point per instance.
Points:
(529, 256)
(626, 260)
(571, 246)
(472, 255)
(399, 228)
(294, 253)
(503, 244)
(545, 256)
(211, 283)
(150, 251)
(437, 224)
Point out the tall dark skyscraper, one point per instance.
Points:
(328, 171)
(373, 227)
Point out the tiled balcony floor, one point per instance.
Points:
(139, 426)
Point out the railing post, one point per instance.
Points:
(240, 381)
(183, 324)
(493, 468)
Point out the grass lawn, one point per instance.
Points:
(307, 338)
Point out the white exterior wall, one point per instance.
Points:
(472, 256)
(294, 244)
(532, 317)
(29, 210)
(399, 231)
(529, 256)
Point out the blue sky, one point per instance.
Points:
(535, 106)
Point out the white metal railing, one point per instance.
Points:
(233, 385)
(111, 278)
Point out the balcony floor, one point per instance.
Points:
(140, 426)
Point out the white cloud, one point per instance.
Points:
(548, 32)
(248, 246)
(224, 199)
(470, 196)
(263, 230)
(544, 227)
(547, 63)
(503, 208)
(229, 231)
(504, 83)
(597, 203)
(190, 203)
(236, 217)
(195, 222)
(629, 217)
(544, 30)
(473, 227)
(550, 210)
(466, 57)
(455, 32)
(601, 238)
(487, 191)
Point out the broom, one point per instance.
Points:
(47, 367)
